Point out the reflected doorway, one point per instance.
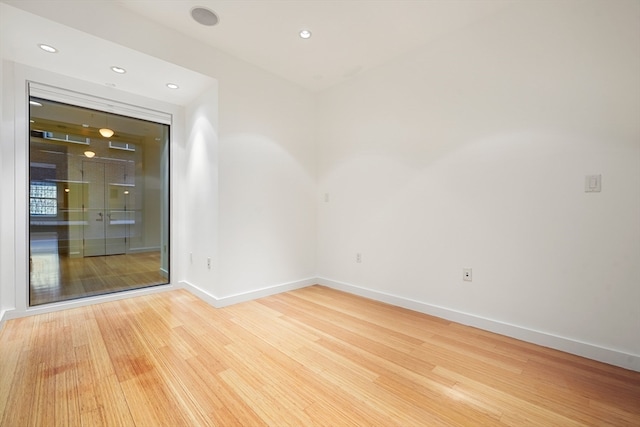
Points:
(107, 228)
(98, 205)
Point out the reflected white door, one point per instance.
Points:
(105, 209)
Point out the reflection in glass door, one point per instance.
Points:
(98, 205)
(105, 232)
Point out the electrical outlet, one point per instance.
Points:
(209, 263)
(358, 258)
(466, 274)
(190, 257)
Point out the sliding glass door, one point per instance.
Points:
(98, 202)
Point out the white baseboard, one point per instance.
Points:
(568, 345)
(590, 351)
(3, 318)
(220, 302)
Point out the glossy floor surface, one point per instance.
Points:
(314, 356)
(55, 277)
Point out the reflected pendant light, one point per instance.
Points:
(106, 132)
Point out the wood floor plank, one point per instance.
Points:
(310, 357)
(228, 406)
(12, 342)
(516, 410)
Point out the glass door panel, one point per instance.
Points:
(116, 224)
(94, 230)
(98, 209)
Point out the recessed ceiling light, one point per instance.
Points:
(118, 70)
(36, 104)
(172, 86)
(48, 48)
(204, 16)
(305, 34)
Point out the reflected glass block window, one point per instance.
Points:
(43, 198)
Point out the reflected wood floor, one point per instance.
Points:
(56, 277)
(313, 356)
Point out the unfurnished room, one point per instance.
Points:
(320, 213)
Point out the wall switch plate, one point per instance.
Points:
(593, 183)
(209, 263)
(466, 274)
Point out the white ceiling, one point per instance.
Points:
(349, 36)
(89, 58)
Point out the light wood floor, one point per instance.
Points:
(55, 278)
(313, 356)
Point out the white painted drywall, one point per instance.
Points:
(472, 152)
(267, 183)
(8, 173)
(250, 185)
(266, 166)
(195, 210)
(6, 190)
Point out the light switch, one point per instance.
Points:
(593, 183)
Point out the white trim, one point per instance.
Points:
(83, 302)
(3, 317)
(219, 302)
(568, 345)
(67, 96)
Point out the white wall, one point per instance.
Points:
(6, 190)
(249, 190)
(266, 165)
(2, 192)
(472, 152)
(195, 209)
(267, 183)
